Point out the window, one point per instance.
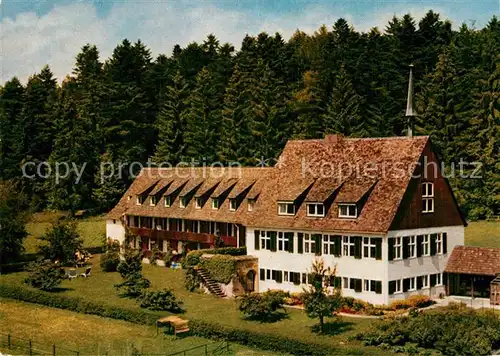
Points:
(412, 283)
(153, 200)
(348, 211)
(369, 247)
(349, 245)
(369, 285)
(129, 197)
(345, 282)
(330, 243)
(283, 244)
(397, 248)
(168, 201)
(315, 209)
(232, 204)
(182, 202)
(286, 208)
(425, 245)
(439, 244)
(139, 200)
(425, 281)
(215, 203)
(427, 197)
(251, 204)
(397, 286)
(309, 244)
(265, 240)
(412, 247)
(285, 276)
(268, 274)
(439, 279)
(199, 202)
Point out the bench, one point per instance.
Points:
(174, 324)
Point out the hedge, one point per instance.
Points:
(193, 257)
(222, 268)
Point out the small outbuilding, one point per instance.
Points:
(473, 271)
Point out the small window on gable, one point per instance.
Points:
(139, 200)
(153, 200)
(315, 209)
(129, 197)
(215, 203)
(232, 204)
(427, 197)
(183, 202)
(198, 202)
(286, 208)
(251, 204)
(168, 201)
(348, 211)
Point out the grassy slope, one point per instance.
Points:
(100, 288)
(90, 334)
(483, 233)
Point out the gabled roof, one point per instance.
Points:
(161, 185)
(191, 185)
(208, 184)
(474, 260)
(311, 170)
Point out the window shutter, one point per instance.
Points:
(406, 246)
(420, 240)
(338, 245)
(433, 244)
(357, 246)
(273, 240)
(262, 274)
(357, 285)
(337, 283)
(318, 244)
(257, 239)
(378, 287)
(378, 249)
(289, 237)
(433, 280)
(279, 277)
(391, 242)
(300, 242)
(420, 282)
(406, 284)
(392, 287)
(445, 242)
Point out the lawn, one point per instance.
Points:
(99, 288)
(92, 230)
(483, 233)
(90, 334)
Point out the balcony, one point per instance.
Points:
(205, 238)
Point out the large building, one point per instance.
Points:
(377, 209)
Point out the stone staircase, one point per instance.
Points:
(211, 285)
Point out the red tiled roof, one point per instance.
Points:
(318, 165)
(474, 260)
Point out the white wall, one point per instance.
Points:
(115, 230)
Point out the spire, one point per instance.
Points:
(409, 104)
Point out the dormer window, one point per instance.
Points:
(348, 211)
(182, 202)
(215, 203)
(427, 197)
(232, 204)
(168, 201)
(139, 200)
(315, 209)
(129, 197)
(198, 203)
(286, 208)
(251, 204)
(153, 200)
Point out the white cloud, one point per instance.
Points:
(30, 41)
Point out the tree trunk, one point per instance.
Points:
(321, 323)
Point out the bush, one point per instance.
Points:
(193, 257)
(222, 268)
(264, 306)
(162, 300)
(420, 301)
(61, 242)
(130, 269)
(400, 304)
(192, 280)
(44, 275)
(110, 261)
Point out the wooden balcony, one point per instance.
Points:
(205, 238)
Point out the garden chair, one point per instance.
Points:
(72, 274)
(87, 272)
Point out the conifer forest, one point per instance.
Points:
(209, 102)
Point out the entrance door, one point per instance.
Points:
(250, 285)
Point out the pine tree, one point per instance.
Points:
(171, 147)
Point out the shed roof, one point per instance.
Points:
(474, 260)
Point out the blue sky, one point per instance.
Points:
(39, 32)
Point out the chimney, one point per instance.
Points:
(333, 139)
(409, 105)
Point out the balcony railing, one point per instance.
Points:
(182, 236)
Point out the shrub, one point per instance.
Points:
(400, 304)
(44, 275)
(61, 242)
(222, 268)
(294, 299)
(264, 306)
(130, 269)
(420, 301)
(162, 300)
(193, 257)
(192, 280)
(110, 261)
